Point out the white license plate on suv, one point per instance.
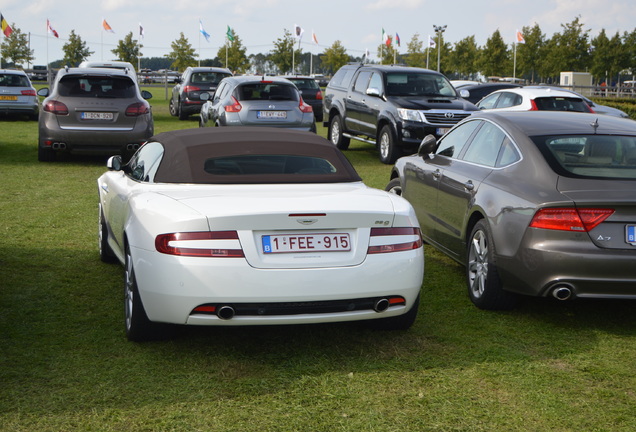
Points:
(323, 242)
(87, 115)
(272, 114)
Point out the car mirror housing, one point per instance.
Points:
(114, 163)
(427, 146)
(204, 96)
(146, 94)
(373, 91)
(44, 92)
(464, 93)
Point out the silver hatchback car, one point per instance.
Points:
(93, 111)
(17, 95)
(258, 101)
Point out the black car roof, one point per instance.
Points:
(186, 149)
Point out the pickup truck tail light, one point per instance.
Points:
(570, 219)
(410, 238)
(234, 107)
(204, 244)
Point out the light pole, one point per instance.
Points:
(439, 30)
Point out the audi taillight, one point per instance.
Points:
(55, 107)
(137, 109)
(319, 95)
(28, 92)
(208, 244)
(387, 240)
(570, 219)
(305, 108)
(190, 88)
(235, 106)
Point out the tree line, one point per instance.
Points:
(538, 59)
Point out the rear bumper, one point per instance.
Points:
(171, 287)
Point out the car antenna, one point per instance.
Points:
(594, 124)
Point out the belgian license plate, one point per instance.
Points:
(630, 232)
(271, 114)
(87, 115)
(442, 131)
(325, 242)
(9, 98)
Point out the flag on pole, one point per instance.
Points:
(397, 39)
(520, 38)
(205, 34)
(314, 38)
(107, 27)
(389, 40)
(51, 29)
(385, 38)
(6, 28)
(431, 42)
(230, 34)
(141, 31)
(298, 31)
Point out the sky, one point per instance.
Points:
(357, 24)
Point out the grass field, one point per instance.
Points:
(65, 364)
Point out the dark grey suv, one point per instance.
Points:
(392, 107)
(186, 95)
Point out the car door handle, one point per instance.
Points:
(469, 186)
(437, 174)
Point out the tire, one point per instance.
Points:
(138, 327)
(334, 133)
(106, 254)
(172, 108)
(46, 154)
(482, 278)
(394, 186)
(182, 115)
(387, 149)
(400, 322)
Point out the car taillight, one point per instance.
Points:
(189, 88)
(55, 107)
(410, 239)
(319, 95)
(137, 109)
(305, 107)
(209, 244)
(570, 219)
(28, 92)
(533, 105)
(234, 107)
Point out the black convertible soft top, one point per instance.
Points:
(249, 155)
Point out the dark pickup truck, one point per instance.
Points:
(392, 107)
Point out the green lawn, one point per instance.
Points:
(65, 363)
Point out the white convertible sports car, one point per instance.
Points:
(255, 226)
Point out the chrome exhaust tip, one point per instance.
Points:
(226, 312)
(381, 305)
(562, 292)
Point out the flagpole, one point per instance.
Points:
(514, 63)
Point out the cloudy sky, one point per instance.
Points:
(357, 24)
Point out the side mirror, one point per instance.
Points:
(427, 146)
(464, 93)
(146, 94)
(44, 92)
(373, 91)
(114, 163)
(204, 96)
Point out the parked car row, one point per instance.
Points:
(17, 94)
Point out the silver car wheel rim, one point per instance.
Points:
(384, 145)
(129, 281)
(478, 263)
(335, 132)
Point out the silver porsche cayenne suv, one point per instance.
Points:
(93, 111)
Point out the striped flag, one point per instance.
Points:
(205, 34)
(6, 28)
